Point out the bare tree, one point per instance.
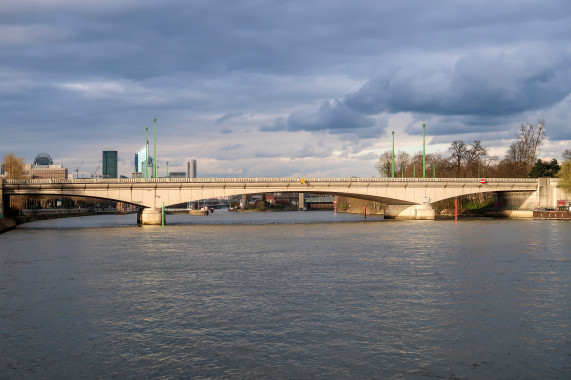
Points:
(402, 160)
(384, 164)
(14, 166)
(523, 152)
(566, 155)
(457, 154)
(474, 157)
(438, 165)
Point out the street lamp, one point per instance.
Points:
(423, 152)
(146, 150)
(393, 161)
(155, 157)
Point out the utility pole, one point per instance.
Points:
(155, 145)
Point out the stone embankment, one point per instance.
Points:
(6, 224)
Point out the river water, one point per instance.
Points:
(285, 295)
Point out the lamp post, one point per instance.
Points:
(393, 161)
(146, 150)
(423, 152)
(155, 145)
(167, 169)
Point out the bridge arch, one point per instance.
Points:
(153, 192)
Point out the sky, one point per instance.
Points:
(282, 88)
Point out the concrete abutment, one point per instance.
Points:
(411, 212)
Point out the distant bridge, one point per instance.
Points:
(153, 193)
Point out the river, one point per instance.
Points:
(285, 295)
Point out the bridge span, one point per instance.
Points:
(417, 194)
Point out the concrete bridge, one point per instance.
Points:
(405, 197)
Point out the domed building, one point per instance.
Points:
(43, 167)
(43, 159)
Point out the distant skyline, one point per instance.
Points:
(278, 88)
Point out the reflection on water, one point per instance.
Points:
(285, 295)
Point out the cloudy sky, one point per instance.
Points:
(279, 87)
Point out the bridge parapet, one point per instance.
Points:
(307, 180)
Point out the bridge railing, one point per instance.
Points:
(308, 180)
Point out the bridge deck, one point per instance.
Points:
(154, 192)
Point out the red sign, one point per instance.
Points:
(482, 181)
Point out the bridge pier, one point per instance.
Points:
(414, 212)
(149, 216)
(1, 201)
(301, 201)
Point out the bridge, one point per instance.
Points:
(405, 197)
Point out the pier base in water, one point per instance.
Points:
(415, 212)
(149, 216)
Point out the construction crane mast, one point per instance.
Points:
(77, 170)
(94, 174)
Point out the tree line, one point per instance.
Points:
(473, 160)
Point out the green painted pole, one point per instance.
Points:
(167, 169)
(402, 172)
(393, 162)
(433, 170)
(155, 146)
(163, 215)
(414, 170)
(423, 151)
(146, 150)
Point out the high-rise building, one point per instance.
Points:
(191, 169)
(141, 162)
(109, 164)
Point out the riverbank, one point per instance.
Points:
(6, 224)
(32, 218)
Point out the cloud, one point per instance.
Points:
(480, 89)
(231, 147)
(228, 116)
(332, 115)
(478, 83)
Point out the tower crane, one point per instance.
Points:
(95, 172)
(77, 170)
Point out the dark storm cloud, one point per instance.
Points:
(480, 83)
(481, 87)
(148, 39)
(330, 116)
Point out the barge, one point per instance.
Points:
(552, 214)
